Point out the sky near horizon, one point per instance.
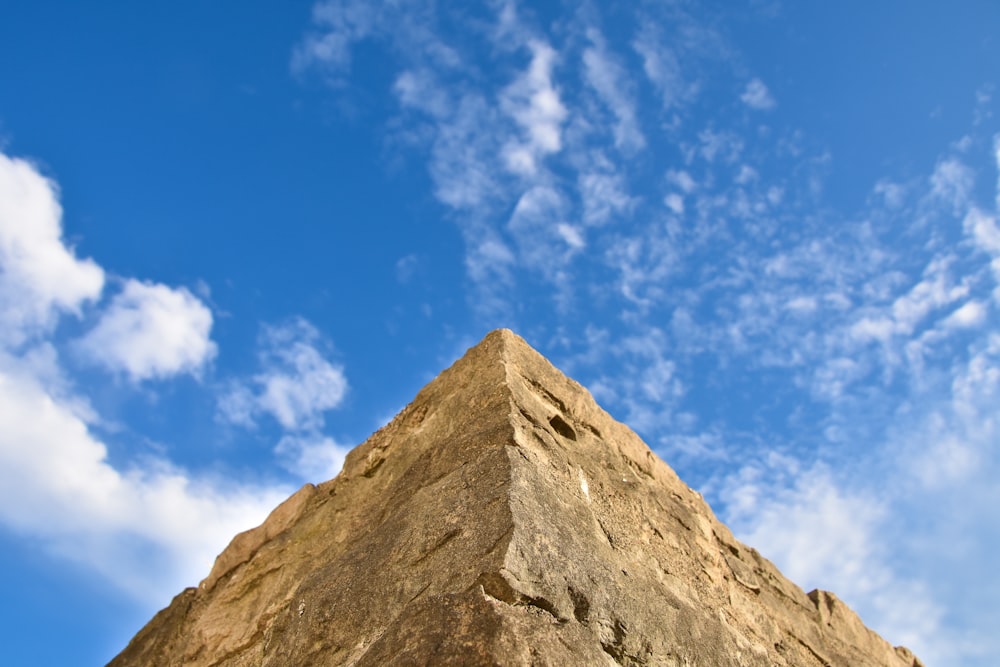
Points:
(237, 238)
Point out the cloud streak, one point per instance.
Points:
(296, 386)
(612, 84)
(534, 104)
(297, 383)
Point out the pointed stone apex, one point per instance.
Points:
(510, 347)
(502, 518)
(505, 336)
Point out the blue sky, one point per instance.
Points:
(236, 238)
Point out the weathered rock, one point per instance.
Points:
(502, 518)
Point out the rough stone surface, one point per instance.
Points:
(502, 518)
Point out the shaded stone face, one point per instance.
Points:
(502, 518)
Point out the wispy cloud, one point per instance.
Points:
(534, 104)
(648, 387)
(985, 235)
(311, 456)
(952, 182)
(535, 226)
(661, 64)
(337, 27)
(603, 191)
(757, 96)
(996, 161)
(612, 83)
(464, 159)
(296, 384)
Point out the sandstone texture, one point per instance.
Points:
(502, 518)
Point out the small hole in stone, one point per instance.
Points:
(562, 428)
(581, 605)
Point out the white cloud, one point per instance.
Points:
(984, 230)
(945, 493)
(571, 235)
(674, 48)
(56, 484)
(151, 331)
(948, 459)
(312, 457)
(930, 294)
(822, 535)
(682, 180)
(674, 202)
(339, 24)
(297, 385)
(775, 194)
(604, 194)
(723, 144)
(834, 376)
(985, 234)
(802, 305)
(488, 259)
(545, 243)
(968, 315)
(892, 193)
(40, 276)
(816, 532)
(647, 385)
(873, 328)
(996, 162)
(436, 80)
(757, 96)
(645, 263)
(700, 446)
(533, 102)
(661, 65)
(407, 267)
(934, 292)
(952, 182)
(746, 175)
(612, 83)
(983, 111)
(463, 156)
(419, 89)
